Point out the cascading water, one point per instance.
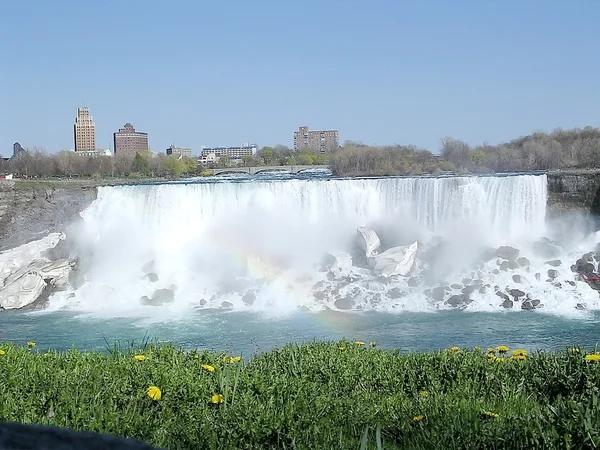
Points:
(163, 249)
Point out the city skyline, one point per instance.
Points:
(381, 74)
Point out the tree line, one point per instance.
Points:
(560, 149)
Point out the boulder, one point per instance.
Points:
(148, 267)
(468, 290)
(22, 291)
(552, 274)
(344, 303)
(458, 300)
(516, 293)
(152, 277)
(584, 267)
(507, 304)
(249, 298)
(395, 261)
(523, 262)
(438, 293)
(226, 304)
(368, 241)
(160, 297)
(530, 305)
(545, 249)
(554, 262)
(517, 279)
(395, 293)
(507, 252)
(413, 282)
(581, 306)
(341, 264)
(456, 286)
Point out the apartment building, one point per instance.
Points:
(127, 141)
(179, 152)
(326, 141)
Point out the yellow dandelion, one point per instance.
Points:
(519, 352)
(500, 359)
(454, 349)
(418, 418)
(502, 349)
(140, 357)
(373, 344)
(491, 356)
(359, 343)
(236, 359)
(30, 345)
(216, 399)
(519, 357)
(341, 349)
(477, 349)
(424, 394)
(592, 358)
(208, 368)
(46, 354)
(491, 415)
(154, 393)
(2, 352)
(491, 350)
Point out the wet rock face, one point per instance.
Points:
(344, 303)
(507, 252)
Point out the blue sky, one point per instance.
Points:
(225, 72)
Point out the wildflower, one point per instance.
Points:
(477, 349)
(359, 343)
(592, 358)
(154, 393)
(373, 344)
(502, 349)
(500, 359)
(46, 354)
(454, 349)
(491, 350)
(519, 352)
(140, 357)
(424, 394)
(341, 349)
(519, 357)
(2, 352)
(30, 345)
(216, 399)
(418, 418)
(208, 368)
(491, 356)
(236, 359)
(491, 415)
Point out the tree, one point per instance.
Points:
(141, 162)
(173, 166)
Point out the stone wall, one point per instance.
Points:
(574, 190)
(29, 212)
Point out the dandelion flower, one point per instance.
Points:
(502, 349)
(519, 357)
(491, 356)
(491, 415)
(216, 399)
(424, 394)
(140, 357)
(30, 345)
(418, 418)
(359, 343)
(491, 350)
(341, 349)
(208, 368)
(592, 358)
(454, 349)
(500, 359)
(2, 352)
(154, 393)
(519, 352)
(236, 359)
(477, 349)
(373, 344)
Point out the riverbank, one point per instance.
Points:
(343, 394)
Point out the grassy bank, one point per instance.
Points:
(321, 395)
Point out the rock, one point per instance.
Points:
(413, 282)
(538, 276)
(249, 298)
(22, 291)
(148, 267)
(160, 297)
(507, 252)
(522, 261)
(495, 271)
(584, 267)
(557, 285)
(147, 301)
(554, 262)
(581, 306)
(530, 305)
(517, 278)
(535, 303)
(438, 293)
(466, 280)
(458, 300)
(545, 249)
(552, 274)
(152, 277)
(203, 302)
(395, 261)
(456, 286)
(507, 304)
(344, 303)
(504, 266)
(226, 304)
(482, 290)
(516, 293)
(571, 282)
(368, 241)
(341, 264)
(395, 293)
(468, 290)
(502, 295)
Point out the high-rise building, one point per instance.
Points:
(128, 141)
(324, 141)
(179, 152)
(17, 148)
(85, 131)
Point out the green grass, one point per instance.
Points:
(311, 396)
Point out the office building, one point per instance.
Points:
(179, 152)
(231, 152)
(127, 141)
(326, 141)
(84, 131)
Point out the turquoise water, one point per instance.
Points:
(248, 333)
